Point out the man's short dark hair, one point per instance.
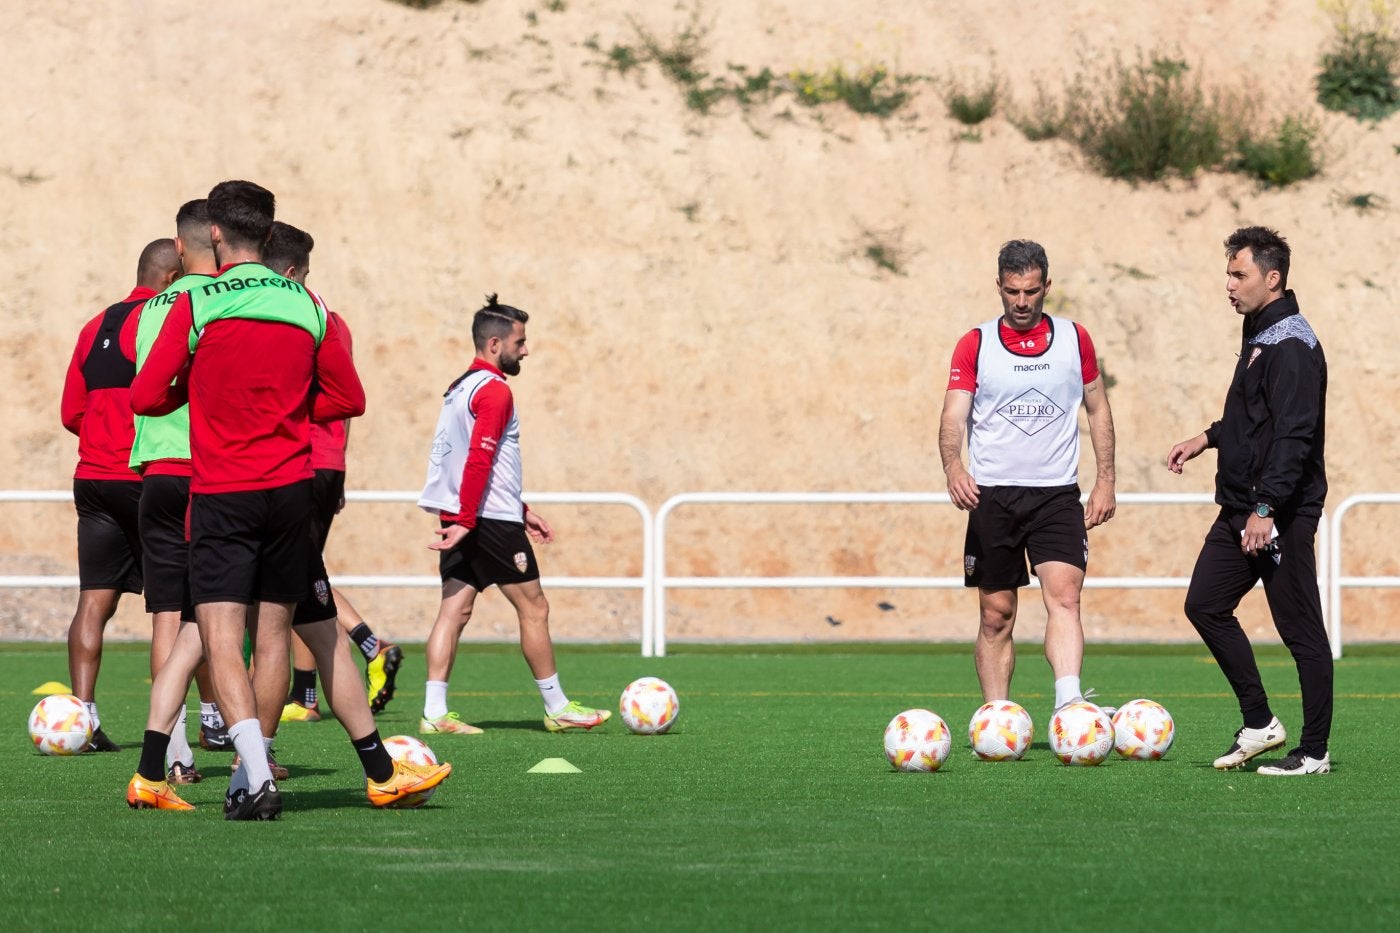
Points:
(1270, 251)
(158, 260)
(1019, 256)
(243, 212)
(495, 320)
(287, 246)
(192, 223)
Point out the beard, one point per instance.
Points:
(510, 365)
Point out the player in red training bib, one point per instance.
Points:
(1014, 392)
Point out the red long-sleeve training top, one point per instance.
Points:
(328, 440)
(101, 417)
(249, 388)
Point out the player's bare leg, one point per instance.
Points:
(221, 628)
(532, 607)
(994, 652)
(389, 784)
(95, 610)
(454, 612)
(1061, 585)
(165, 628)
(538, 648)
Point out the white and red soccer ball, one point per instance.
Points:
(649, 706)
(60, 725)
(1081, 734)
(917, 740)
(409, 749)
(1143, 730)
(1000, 731)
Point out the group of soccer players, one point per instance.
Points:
(194, 401)
(211, 408)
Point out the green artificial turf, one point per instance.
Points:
(769, 805)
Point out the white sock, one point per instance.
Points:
(247, 738)
(552, 694)
(92, 714)
(179, 748)
(238, 780)
(210, 716)
(435, 706)
(1066, 689)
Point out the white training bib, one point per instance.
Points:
(1024, 426)
(442, 491)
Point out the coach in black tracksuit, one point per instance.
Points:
(1270, 484)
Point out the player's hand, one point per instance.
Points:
(538, 529)
(1102, 505)
(1258, 532)
(962, 489)
(449, 537)
(1186, 450)
(340, 505)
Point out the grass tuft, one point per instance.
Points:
(1357, 74)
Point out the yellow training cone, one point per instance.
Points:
(49, 689)
(553, 766)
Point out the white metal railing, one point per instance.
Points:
(1335, 580)
(654, 580)
(643, 582)
(664, 582)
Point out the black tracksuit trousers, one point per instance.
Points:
(1224, 574)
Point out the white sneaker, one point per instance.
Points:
(1252, 742)
(1298, 763)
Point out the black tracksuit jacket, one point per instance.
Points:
(1270, 438)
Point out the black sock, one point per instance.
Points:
(373, 756)
(152, 766)
(1258, 718)
(366, 640)
(304, 686)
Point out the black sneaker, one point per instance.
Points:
(100, 743)
(382, 672)
(1297, 762)
(215, 740)
(263, 804)
(183, 774)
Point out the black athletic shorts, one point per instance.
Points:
(109, 536)
(1010, 523)
(251, 546)
(319, 603)
(165, 549)
(327, 489)
(495, 551)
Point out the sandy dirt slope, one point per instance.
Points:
(703, 317)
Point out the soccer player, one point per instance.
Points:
(1270, 484)
(257, 360)
(288, 253)
(1014, 392)
(97, 408)
(474, 487)
(161, 454)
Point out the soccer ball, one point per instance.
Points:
(917, 740)
(649, 706)
(1000, 731)
(60, 725)
(412, 751)
(407, 748)
(1081, 734)
(1143, 729)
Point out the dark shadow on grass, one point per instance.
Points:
(325, 798)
